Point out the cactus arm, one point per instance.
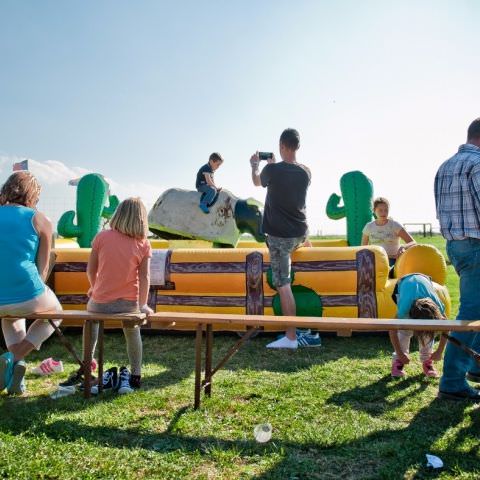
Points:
(113, 202)
(333, 210)
(66, 228)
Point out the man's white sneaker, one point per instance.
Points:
(284, 342)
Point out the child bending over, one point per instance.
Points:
(417, 299)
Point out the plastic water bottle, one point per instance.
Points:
(63, 392)
(263, 432)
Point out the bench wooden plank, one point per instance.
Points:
(319, 323)
(343, 326)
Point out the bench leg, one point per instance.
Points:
(208, 361)
(198, 365)
(87, 364)
(100, 355)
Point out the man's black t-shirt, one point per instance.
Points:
(201, 177)
(285, 205)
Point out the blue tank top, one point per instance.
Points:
(19, 277)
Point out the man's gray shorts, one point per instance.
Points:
(280, 250)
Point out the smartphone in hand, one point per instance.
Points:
(265, 155)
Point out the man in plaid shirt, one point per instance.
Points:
(457, 199)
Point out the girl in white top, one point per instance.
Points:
(386, 232)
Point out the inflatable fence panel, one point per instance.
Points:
(349, 281)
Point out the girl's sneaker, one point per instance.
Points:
(397, 369)
(110, 381)
(17, 383)
(47, 367)
(124, 381)
(429, 370)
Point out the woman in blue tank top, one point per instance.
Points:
(25, 246)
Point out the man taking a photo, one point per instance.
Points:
(284, 220)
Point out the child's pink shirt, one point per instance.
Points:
(119, 257)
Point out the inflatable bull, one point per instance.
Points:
(176, 215)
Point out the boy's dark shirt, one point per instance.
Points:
(201, 177)
(285, 205)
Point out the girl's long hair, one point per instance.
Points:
(425, 309)
(130, 218)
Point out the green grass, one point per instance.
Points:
(335, 412)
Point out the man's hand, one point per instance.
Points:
(255, 161)
(404, 358)
(219, 189)
(272, 160)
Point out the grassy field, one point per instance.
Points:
(335, 411)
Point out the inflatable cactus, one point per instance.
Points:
(357, 196)
(92, 196)
(307, 302)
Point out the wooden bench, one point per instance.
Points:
(73, 317)
(343, 326)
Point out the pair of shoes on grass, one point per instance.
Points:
(304, 338)
(428, 369)
(120, 381)
(12, 374)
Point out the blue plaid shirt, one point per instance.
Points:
(457, 194)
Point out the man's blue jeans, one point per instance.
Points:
(209, 194)
(465, 257)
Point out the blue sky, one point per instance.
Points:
(144, 91)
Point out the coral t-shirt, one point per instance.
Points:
(119, 257)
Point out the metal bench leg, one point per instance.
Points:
(198, 365)
(87, 363)
(208, 361)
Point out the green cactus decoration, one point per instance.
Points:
(92, 195)
(307, 301)
(357, 195)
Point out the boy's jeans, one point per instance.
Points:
(465, 257)
(209, 196)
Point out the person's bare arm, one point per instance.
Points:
(254, 163)
(407, 238)
(43, 227)
(437, 354)
(396, 345)
(365, 239)
(144, 285)
(92, 269)
(209, 180)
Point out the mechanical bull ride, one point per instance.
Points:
(349, 282)
(176, 215)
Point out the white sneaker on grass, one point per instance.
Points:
(284, 342)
